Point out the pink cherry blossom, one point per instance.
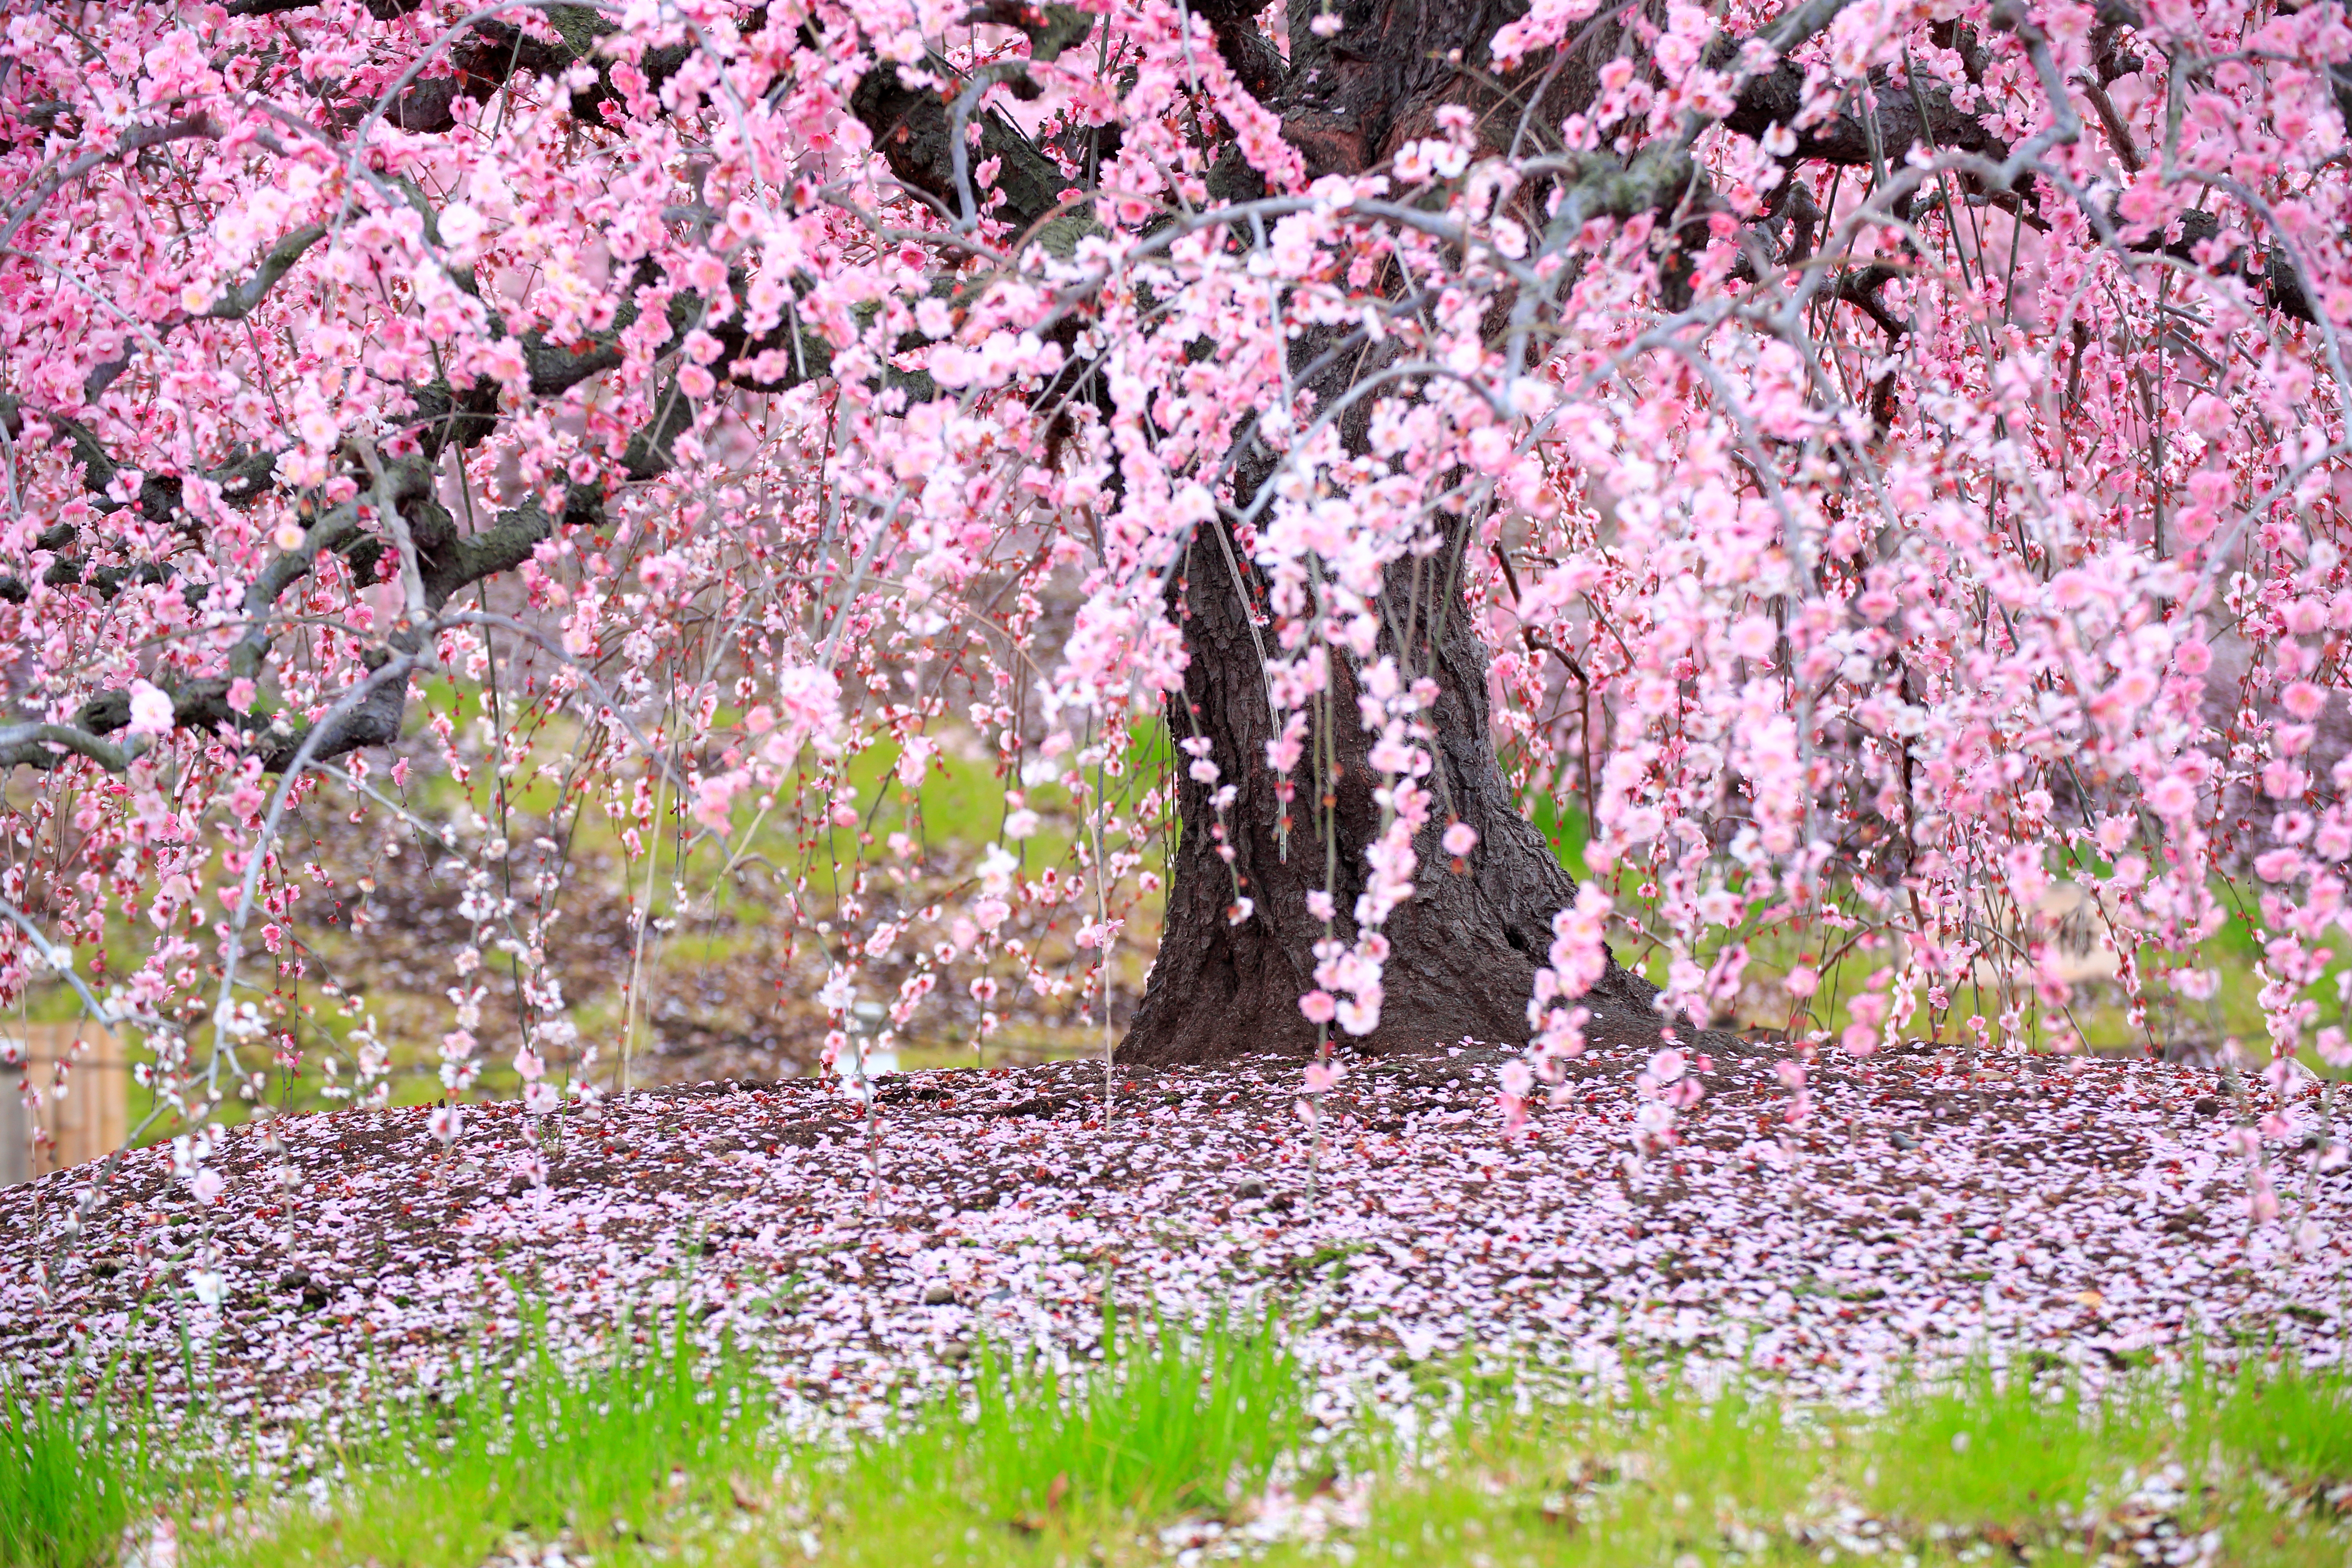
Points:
(151, 710)
(1900, 550)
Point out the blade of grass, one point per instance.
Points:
(72, 1478)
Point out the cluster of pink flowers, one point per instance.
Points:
(1871, 550)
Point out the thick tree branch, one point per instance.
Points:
(1898, 119)
(449, 562)
(914, 132)
(159, 495)
(135, 139)
(2269, 272)
(1924, 112)
(237, 303)
(44, 746)
(1248, 53)
(506, 543)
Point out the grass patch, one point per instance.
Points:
(2295, 1423)
(1978, 1450)
(1167, 1421)
(72, 1478)
(1636, 1476)
(1973, 1468)
(606, 1454)
(1170, 1437)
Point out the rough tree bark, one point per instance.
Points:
(1465, 948)
(1464, 951)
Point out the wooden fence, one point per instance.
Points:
(83, 1118)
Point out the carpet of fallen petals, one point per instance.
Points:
(1935, 1203)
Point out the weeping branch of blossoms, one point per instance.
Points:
(1867, 464)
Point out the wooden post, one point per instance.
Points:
(81, 1075)
(15, 1134)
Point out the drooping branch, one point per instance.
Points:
(915, 127)
(451, 562)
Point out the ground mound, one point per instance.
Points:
(2093, 1212)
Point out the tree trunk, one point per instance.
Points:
(1463, 950)
(1466, 947)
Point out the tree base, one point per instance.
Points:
(1439, 994)
(1465, 948)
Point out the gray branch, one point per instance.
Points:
(238, 302)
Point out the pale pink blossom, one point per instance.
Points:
(151, 710)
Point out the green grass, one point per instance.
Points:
(1978, 1448)
(2296, 1423)
(1604, 1480)
(1167, 1420)
(653, 1451)
(72, 1478)
(602, 1453)
(1561, 818)
(1975, 1467)
(647, 1448)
